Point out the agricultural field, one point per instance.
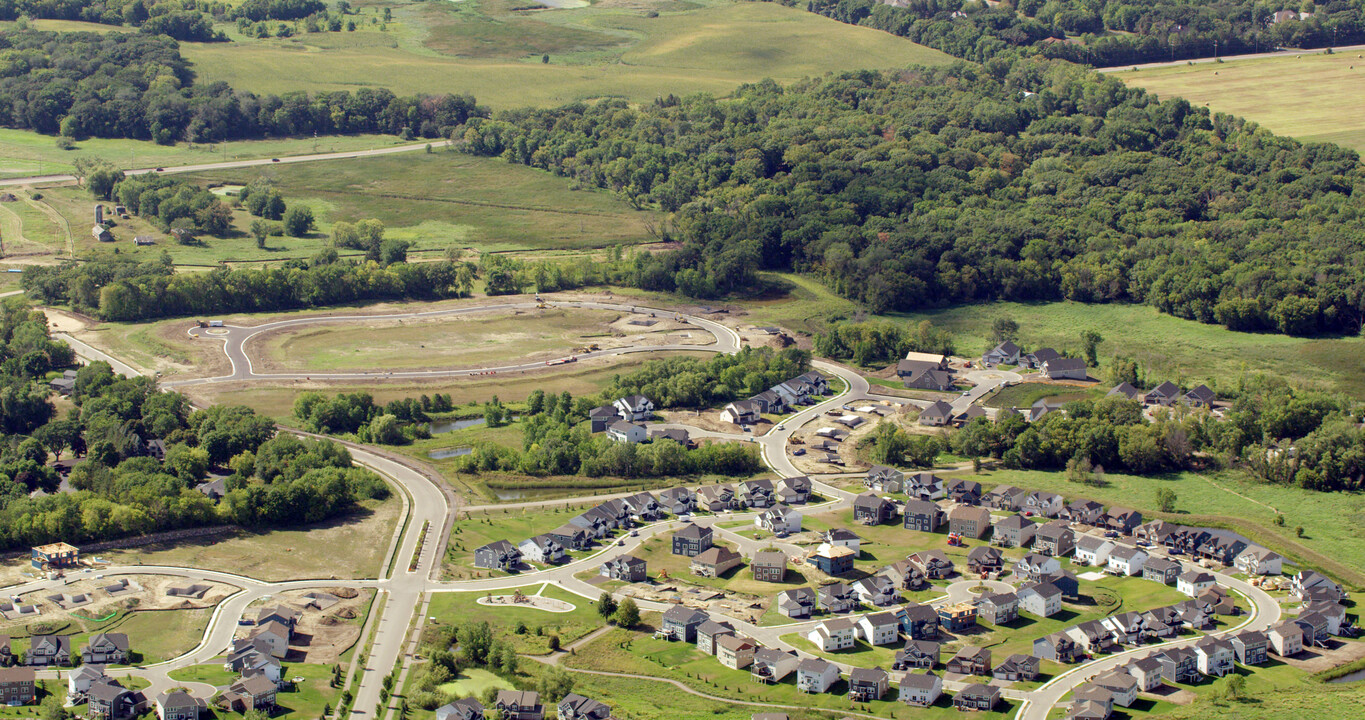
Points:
(1306, 96)
(495, 50)
(29, 227)
(346, 547)
(456, 608)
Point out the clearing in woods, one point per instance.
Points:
(1310, 97)
(493, 49)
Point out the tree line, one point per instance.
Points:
(880, 342)
(1104, 33)
(127, 85)
(1036, 180)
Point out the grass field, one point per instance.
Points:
(1306, 97)
(455, 608)
(1026, 393)
(474, 681)
(483, 340)
(1333, 527)
(477, 529)
(611, 49)
(211, 673)
(348, 547)
(153, 635)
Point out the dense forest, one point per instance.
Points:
(1105, 33)
(1034, 181)
(118, 487)
(125, 85)
(188, 20)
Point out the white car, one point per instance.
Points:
(781, 427)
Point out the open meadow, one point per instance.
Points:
(1310, 97)
(493, 49)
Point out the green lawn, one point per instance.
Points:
(474, 530)
(153, 635)
(211, 673)
(1026, 393)
(658, 553)
(1288, 95)
(306, 699)
(454, 608)
(493, 50)
(1332, 522)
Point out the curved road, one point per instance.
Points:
(431, 504)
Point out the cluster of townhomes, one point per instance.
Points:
(624, 421)
(1167, 394)
(55, 651)
(1046, 360)
(524, 705)
(777, 400)
(256, 658)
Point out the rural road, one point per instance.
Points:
(430, 504)
(226, 165)
(1231, 58)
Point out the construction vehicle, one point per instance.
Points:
(201, 323)
(542, 305)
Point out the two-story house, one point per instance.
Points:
(917, 654)
(1125, 561)
(970, 660)
(1040, 599)
(691, 540)
(106, 649)
(834, 634)
(876, 590)
(918, 621)
(179, 705)
(881, 628)
(519, 704)
(796, 603)
(634, 408)
(1014, 531)
(870, 509)
(577, 707)
(1054, 538)
(735, 652)
(920, 689)
(497, 555)
(997, 608)
(47, 650)
(780, 520)
(625, 568)
(867, 684)
(680, 623)
(969, 521)
(814, 675)
(462, 709)
(984, 559)
(1091, 550)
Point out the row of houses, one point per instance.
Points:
(524, 705)
(1166, 394)
(584, 529)
(1047, 360)
(777, 400)
(55, 650)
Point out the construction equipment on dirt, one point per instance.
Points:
(587, 348)
(201, 323)
(542, 305)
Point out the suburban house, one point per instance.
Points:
(542, 549)
(1147, 673)
(920, 689)
(519, 705)
(835, 598)
(1005, 497)
(869, 509)
(924, 486)
(1215, 656)
(1054, 538)
(47, 650)
(918, 622)
(735, 652)
(1250, 647)
(1308, 583)
(106, 649)
(922, 515)
(109, 700)
(1014, 531)
(55, 555)
(977, 697)
(1092, 636)
(577, 707)
(715, 561)
(634, 408)
(1125, 391)
(497, 555)
(867, 684)
(680, 623)
(957, 617)
(625, 568)
(793, 490)
(1126, 561)
(1006, 353)
(253, 692)
(741, 412)
(79, 680)
(711, 631)
(691, 540)
(769, 566)
(917, 654)
(1193, 582)
(1259, 561)
(876, 590)
(924, 376)
(643, 507)
(904, 575)
(1126, 627)
(770, 402)
(1043, 503)
(772, 665)
(965, 417)
(965, 492)
(779, 520)
(1121, 685)
(1200, 396)
(627, 432)
(755, 493)
(1314, 626)
(814, 675)
(832, 559)
(884, 479)
(1034, 567)
(1085, 512)
(969, 521)
(1160, 570)
(16, 685)
(881, 628)
(1035, 359)
(1121, 520)
(179, 705)
(571, 536)
(677, 435)
(1163, 394)
(602, 416)
(842, 537)
(934, 564)
(936, 415)
(462, 709)
(1065, 581)
(1091, 550)
(1058, 647)
(1286, 638)
(1040, 599)
(1065, 369)
(984, 559)
(796, 603)
(678, 500)
(997, 608)
(714, 498)
(1017, 667)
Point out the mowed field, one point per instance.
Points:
(1310, 97)
(493, 50)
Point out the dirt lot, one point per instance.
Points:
(811, 462)
(1319, 659)
(323, 634)
(710, 420)
(748, 608)
(147, 592)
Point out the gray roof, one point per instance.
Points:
(919, 681)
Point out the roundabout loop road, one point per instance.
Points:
(432, 503)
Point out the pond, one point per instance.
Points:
(445, 426)
(449, 453)
(1356, 676)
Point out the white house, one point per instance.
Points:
(635, 407)
(779, 520)
(1092, 550)
(920, 690)
(626, 432)
(1215, 656)
(1065, 369)
(1043, 503)
(835, 634)
(1286, 638)
(1006, 353)
(1041, 599)
(741, 412)
(1126, 561)
(1259, 561)
(1193, 582)
(880, 628)
(79, 680)
(843, 537)
(814, 675)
